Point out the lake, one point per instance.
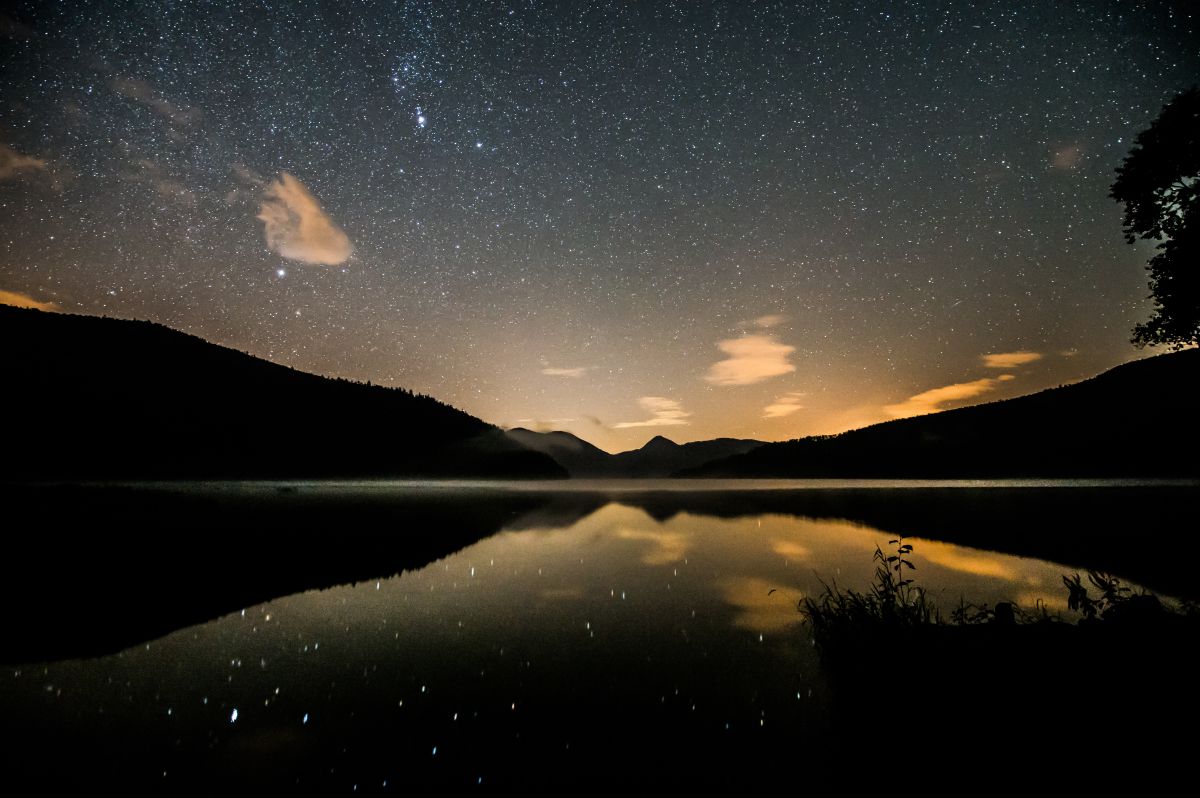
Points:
(599, 633)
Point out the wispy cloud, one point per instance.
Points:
(14, 29)
(1067, 157)
(543, 424)
(665, 548)
(770, 320)
(785, 405)
(752, 358)
(168, 188)
(143, 92)
(296, 226)
(663, 412)
(575, 373)
(1010, 360)
(17, 299)
(932, 401)
(13, 163)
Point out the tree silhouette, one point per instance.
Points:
(1159, 182)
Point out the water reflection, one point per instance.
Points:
(534, 655)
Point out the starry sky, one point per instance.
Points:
(620, 219)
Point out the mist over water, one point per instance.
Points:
(575, 634)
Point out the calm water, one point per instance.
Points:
(579, 642)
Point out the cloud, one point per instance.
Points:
(666, 547)
(790, 549)
(1066, 157)
(664, 413)
(1010, 360)
(24, 301)
(932, 401)
(543, 424)
(14, 29)
(297, 228)
(762, 606)
(155, 176)
(968, 561)
(549, 371)
(770, 320)
(142, 92)
(752, 358)
(12, 163)
(785, 405)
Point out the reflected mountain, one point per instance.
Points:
(102, 567)
(99, 568)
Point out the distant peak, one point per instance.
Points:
(659, 442)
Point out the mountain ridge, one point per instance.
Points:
(97, 397)
(658, 457)
(1094, 427)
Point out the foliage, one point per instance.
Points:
(892, 601)
(1112, 594)
(1159, 182)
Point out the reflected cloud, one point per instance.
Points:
(666, 547)
(562, 594)
(574, 373)
(1030, 599)
(763, 606)
(790, 549)
(968, 561)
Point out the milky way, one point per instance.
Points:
(620, 219)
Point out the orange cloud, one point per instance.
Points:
(664, 413)
(752, 358)
(25, 301)
(666, 547)
(785, 405)
(969, 561)
(297, 228)
(762, 606)
(12, 163)
(933, 400)
(790, 549)
(573, 373)
(1010, 360)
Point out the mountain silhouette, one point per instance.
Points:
(100, 398)
(659, 457)
(1138, 419)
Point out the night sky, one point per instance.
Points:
(619, 219)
